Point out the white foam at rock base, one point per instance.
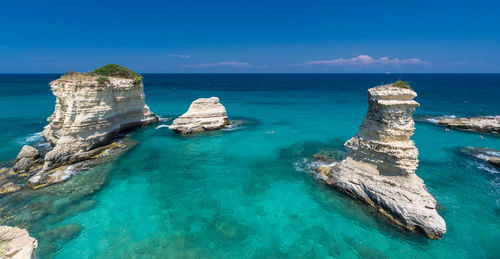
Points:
(162, 126)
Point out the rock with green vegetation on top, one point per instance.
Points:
(90, 112)
(381, 160)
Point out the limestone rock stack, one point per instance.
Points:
(91, 110)
(204, 114)
(16, 243)
(380, 163)
(89, 113)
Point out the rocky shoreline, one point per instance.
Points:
(381, 160)
(16, 243)
(482, 124)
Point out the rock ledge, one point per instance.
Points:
(489, 124)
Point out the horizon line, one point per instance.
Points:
(207, 73)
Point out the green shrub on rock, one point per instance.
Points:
(116, 71)
(102, 80)
(401, 84)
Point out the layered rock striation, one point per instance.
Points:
(89, 113)
(487, 124)
(16, 243)
(28, 160)
(91, 110)
(380, 163)
(204, 114)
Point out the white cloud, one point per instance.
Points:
(367, 60)
(179, 56)
(221, 64)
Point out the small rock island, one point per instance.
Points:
(380, 163)
(91, 109)
(204, 114)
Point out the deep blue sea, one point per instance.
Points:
(247, 192)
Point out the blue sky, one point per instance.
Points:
(251, 36)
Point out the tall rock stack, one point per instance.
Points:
(89, 112)
(381, 160)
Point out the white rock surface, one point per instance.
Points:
(490, 124)
(381, 160)
(16, 243)
(89, 114)
(204, 114)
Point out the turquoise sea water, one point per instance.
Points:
(247, 193)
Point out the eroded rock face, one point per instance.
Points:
(16, 243)
(89, 114)
(380, 163)
(27, 160)
(204, 114)
(488, 124)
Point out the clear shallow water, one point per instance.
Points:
(245, 192)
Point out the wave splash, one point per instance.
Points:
(234, 125)
(309, 166)
(435, 120)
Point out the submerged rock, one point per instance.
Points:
(379, 167)
(204, 114)
(488, 124)
(28, 160)
(47, 177)
(61, 233)
(323, 158)
(6, 186)
(16, 243)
